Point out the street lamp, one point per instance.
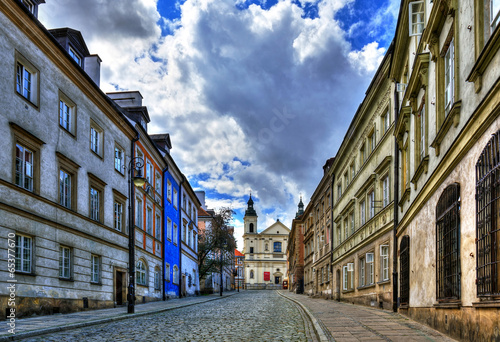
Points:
(134, 164)
(221, 259)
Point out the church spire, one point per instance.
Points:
(250, 210)
(301, 208)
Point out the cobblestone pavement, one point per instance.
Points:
(248, 316)
(350, 323)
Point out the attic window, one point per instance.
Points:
(29, 5)
(75, 56)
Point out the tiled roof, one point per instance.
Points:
(238, 253)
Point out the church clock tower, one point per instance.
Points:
(250, 219)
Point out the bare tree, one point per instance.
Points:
(215, 240)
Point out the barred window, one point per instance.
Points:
(488, 217)
(404, 261)
(448, 244)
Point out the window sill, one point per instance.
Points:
(68, 132)
(448, 305)
(348, 291)
(143, 285)
(94, 283)
(487, 304)
(34, 105)
(484, 59)
(383, 282)
(422, 168)
(366, 287)
(120, 172)
(31, 274)
(67, 279)
(97, 155)
(453, 117)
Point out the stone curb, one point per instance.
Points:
(317, 326)
(32, 333)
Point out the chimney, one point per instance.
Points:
(93, 68)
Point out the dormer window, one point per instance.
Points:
(30, 6)
(76, 57)
(416, 18)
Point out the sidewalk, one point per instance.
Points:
(343, 322)
(33, 326)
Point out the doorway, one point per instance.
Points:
(119, 287)
(276, 280)
(338, 285)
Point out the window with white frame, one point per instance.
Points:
(369, 269)
(157, 279)
(362, 212)
(385, 191)
(167, 272)
(76, 57)
(169, 190)
(64, 188)
(96, 139)
(384, 262)
(168, 228)
(494, 14)
(141, 273)
(65, 262)
(351, 219)
(353, 171)
(149, 220)
(176, 274)
(386, 117)
(449, 77)
(118, 218)
(138, 212)
(175, 234)
(149, 172)
(348, 280)
(24, 167)
(119, 159)
(362, 270)
(95, 266)
(158, 182)
(95, 204)
(371, 204)
(24, 254)
(175, 198)
(423, 147)
(65, 115)
(158, 226)
(27, 80)
(416, 17)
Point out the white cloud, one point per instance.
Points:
(368, 59)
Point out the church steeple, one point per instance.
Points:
(250, 210)
(301, 208)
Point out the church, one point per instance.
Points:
(265, 252)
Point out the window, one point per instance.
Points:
(158, 183)
(141, 273)
(351, 219)
(362, 156)
(149, 220)
(448, 244)
(251, 228)
(449, 78)
(76, 57)
(157, 279)
(119, 159)
(167, 272)
(169, 232)
(339, 191)
(369, 269)
(195, 241)
(251, 274)
(362, 212)
(65, 114)
(96, 139)
(488, 219)
(346, 179)
(404, 262)
(64, 262)
(27, 80)
(184, 202)
(95, 268)
(64, 189)
(422, 144)
(176, 274)
(189, 242)
(30, 6)
(371, 142)
(118, 219)
(386, 121)
(184, 232)
(362, 271)
(416, 18)
(371, 204)
(175, 198)
(158, 226)
(149, 172)
(353, 171)
(251, 250)
(95, 204)
(494, 14)
(169, 190)
(348, 280)
(322, 275)
(385, 190)
(277, 247)
(175, 234)
(346, 228)
(384, 262)
(24, 167)
(24, 254)
(138, 212)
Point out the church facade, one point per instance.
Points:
(265, 252)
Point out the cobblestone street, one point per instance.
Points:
(248, 316)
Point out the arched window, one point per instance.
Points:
(251, 228)
(404, 260)
(277, 247)
(267, 246)
(157, 278)
(167, 272)
(176, 274)
(251, 274)
(141, 273)
(488, 219)
(448, 243)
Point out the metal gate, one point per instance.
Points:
(487, 217)
(404, 259)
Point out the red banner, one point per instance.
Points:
(267, 276)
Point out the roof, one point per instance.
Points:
(238, 253)
(202, 212)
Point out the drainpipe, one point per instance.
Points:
(396, 197)
(331, 226)
(164, 236)
(180, 240)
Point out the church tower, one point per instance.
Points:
(250, 219)
(300, 210)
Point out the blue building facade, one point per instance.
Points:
(172, 239)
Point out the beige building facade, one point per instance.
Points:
(265, 252)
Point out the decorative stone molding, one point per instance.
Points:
(453, 117)
(422, 168)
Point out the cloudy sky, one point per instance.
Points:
(256, 94)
